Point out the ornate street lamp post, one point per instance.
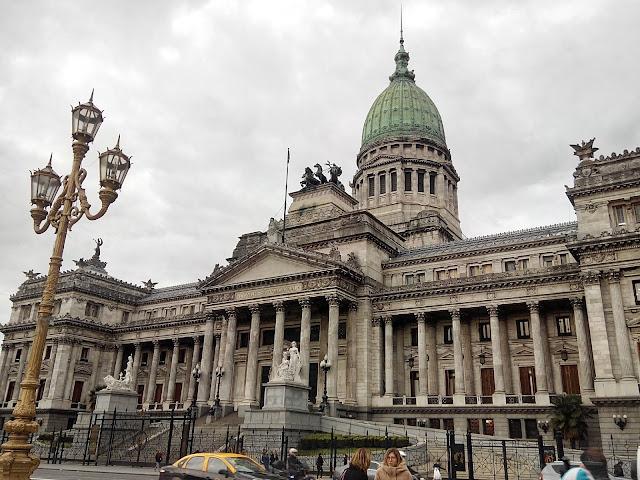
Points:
(195, 373)
(219, 375)
(16, 461)
(325, 366)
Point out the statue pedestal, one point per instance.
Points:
(285, 405)
(119, 400)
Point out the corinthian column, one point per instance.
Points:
(171, 391)
(252, 357)
(195, 358)
(622, 332)
(586, 374)
(278, 340)
(388, 357)
(423, 383)
(332, 346)
(207, 359)
(23, 359)
(538, 350)
(216, 363)
(117, 367)
(352, 368)
(153, 372)
(305, 333)
(457, 351)
(136, 365)
(498, 370)
(226, 396)
(94, 373)
(52, 362)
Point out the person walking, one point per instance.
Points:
(345, 459)
(358, 466)
(265, 459)
(393, 467)
(617, 469)
(158, 459)
(319, 464)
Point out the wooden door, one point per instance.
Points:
(140, 394)
(157, 398)
(77, 392)
(414, 379)
(178, 393)
(488, 382)
(570, 379)
(528, 381)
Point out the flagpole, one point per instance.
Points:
(286, 186)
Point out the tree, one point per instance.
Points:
(569, 417)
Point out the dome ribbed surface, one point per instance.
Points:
(403, 109)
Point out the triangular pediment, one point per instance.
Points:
(522, 350)
(271, 262)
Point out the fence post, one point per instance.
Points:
(170, 438)
(505, 464)
(282, 457)
(53, 436)
(386, 438)
(470, 454)
(238, 442)
(193, 428)
(226, 442)
(113, 426)
(449, 454)
(559, 445)
(541, 451)
(426, 449)
(100, 436)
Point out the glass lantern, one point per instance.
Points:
(44, 186)
(86, 119)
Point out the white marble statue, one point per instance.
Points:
(294, 362)
(123, 382)
(283, 372)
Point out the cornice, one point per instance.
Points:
(381, 160)
(606, 242)
(461, 409)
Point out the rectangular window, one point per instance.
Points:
(487, 268)
(145, 359)
(488, 426)
(432, 183)
(421, 278)
(407, 180)
(450, 382)
(619, 215)
(522, 329)
(383, 184)
(342, 331)
(125, 317)
(77, 391)
(515, 428)
(414, 337)
(25, 312)
(163, 357)
(510, 266)
(570, 379)
(528, 381)
(292, 334)
(394, 181)
(40, 391)
(182, 354)
(485, 331)
(441, 274)
(636, 211)
(563, 258)
(18, 354)
(47, 353)
(372, 188)
(268, 337)
(420, 181)
(453, 273)
(84, 354)
(92, 309)
(10, 389)
(473, 425)
(448, 334)
(547, 260)
(243, 340)
(448, 424)
(434, 423)
(408, 279)
(314, 334)
(474, 270)
(564, 326)
(523, 263)
(531, 428)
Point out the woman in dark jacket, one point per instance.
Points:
(358, 466)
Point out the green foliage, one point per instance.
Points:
(48, 437)
(319, 441)
(92, 396)
(568, 416)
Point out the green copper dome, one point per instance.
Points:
(403, 109)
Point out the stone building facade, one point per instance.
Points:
(421, 325)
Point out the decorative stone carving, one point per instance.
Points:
(124, 381)
(353, 262)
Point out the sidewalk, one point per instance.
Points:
(71, 467)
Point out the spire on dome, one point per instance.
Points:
(402, 59)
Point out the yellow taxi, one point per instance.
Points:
(215, 466)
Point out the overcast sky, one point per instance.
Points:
(208, 96)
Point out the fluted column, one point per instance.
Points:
(68, 384)
(457, 351)
(216, 363)
(195, 358)
(278, 339)
(226, 395)
(498, 370)
(378, 356)
(432, 353)
(467, 358)
(117, 366)
(423, 380)
(388, 357)
(584, 356)
(23, 359)
(305, 333)
(625, 355)
(153, 372)
(206, 363)
(252, 357)
(538, 349)
(352, 364)
(137, 358)
(171, 391)
(506, 353)
(332, 346)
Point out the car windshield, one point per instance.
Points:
(243, 464)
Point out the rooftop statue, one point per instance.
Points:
(310, 179)
(585, 150)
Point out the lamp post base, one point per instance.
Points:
(17, 462)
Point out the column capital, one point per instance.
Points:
(493, 310)
(197, 340)
(534, 306)
(137, 346)
(577, 302)
(279, 306)
(353, 306)
(591, 278)
(305, 302)
(376, 321)
(217, 336)
(421, 317)
(455, 313)
(333, 300)
(231, 312)
(156, 343)
(117, 346)
(613, 276)
(210, 316)
(254, 309)
(387, 320)
(176, 342)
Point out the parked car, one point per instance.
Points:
(371, 473)
(216, 466)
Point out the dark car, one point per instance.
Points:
(216, 466)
